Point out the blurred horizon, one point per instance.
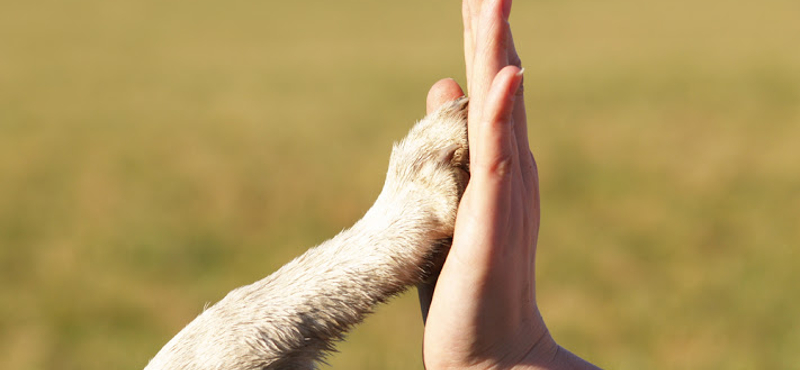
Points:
(154, 156)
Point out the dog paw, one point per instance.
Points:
(429, 168)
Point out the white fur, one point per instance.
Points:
(290, 319)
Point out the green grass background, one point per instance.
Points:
(156, 154)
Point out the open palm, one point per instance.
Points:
(483, 312)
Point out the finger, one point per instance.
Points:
(468, 19)
(470, 12)
(492, 174)
(489, 57)
(497, 143)
(443, 91)
(520, 118)
(490, 49)
(519, 115)
(511, 48)
(527, 163)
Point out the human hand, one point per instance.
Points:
(483, 312)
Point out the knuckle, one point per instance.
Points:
(500, 167)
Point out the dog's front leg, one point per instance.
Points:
(290, 319)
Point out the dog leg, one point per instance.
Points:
(292, 318)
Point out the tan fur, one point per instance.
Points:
(290, 319)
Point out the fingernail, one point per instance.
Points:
(521, 72)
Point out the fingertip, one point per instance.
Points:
(503, 88)
(443, 91)
(509, 80)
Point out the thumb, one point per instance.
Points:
(443, 91)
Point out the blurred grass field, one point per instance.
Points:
(156, 154)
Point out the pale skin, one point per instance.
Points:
(483, 312)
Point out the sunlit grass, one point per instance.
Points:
(155, 155)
